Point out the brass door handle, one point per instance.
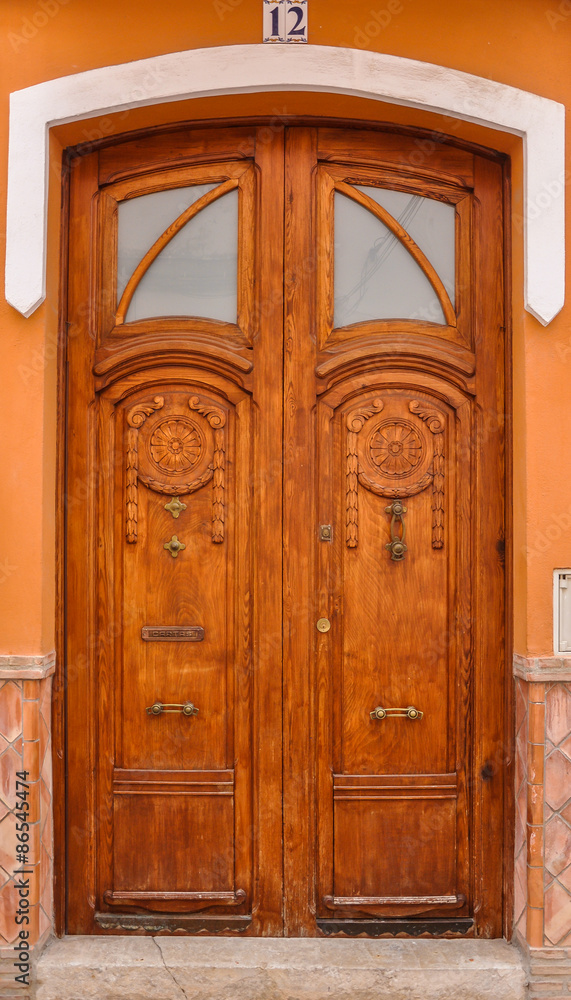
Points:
(158, 708)
(396, 546)
(405, 713)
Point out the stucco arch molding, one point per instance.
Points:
(256, 68)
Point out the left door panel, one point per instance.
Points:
(173, 705)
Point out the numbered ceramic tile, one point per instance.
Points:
(285, 21)
(274, 20)
(296, 21)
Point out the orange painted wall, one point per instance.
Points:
(524, 43)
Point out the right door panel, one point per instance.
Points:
(399, 533)
(395, 671)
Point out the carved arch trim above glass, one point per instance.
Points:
(395, 257)
(184, 250)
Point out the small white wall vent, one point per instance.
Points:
(562, 611)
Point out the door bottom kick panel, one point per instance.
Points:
(460, 927)
(172, 923)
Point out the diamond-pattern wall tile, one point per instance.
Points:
(557, 779)
(8, 843)
(10, 762)
(44, 922)
(520, 833)
(519, 769)
(565, 877)
(557, 913)
(520, 887)
(24, 721)
(557, 845)
(558, 713)
(8, 905)
(520, 776)
(520, 706)
(10, 710)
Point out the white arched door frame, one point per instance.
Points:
(257, 68)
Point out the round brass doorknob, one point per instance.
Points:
(323, 625)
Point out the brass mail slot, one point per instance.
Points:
(172, 633)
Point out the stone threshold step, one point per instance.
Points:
(187, 968)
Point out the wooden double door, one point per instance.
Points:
(284, 534)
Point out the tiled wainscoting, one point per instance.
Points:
(542, 819)
(543, 822)
(25, 745)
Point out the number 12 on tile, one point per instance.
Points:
(285, 21)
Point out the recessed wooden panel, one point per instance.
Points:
(395, 847)
(396, 612)
(199, 831)
(173, 446)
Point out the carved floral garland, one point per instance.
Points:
(396, 449)
(355, 422)
(176, 447)
(135, 419)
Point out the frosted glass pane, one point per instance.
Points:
(374, 276)
(432, 225)
(143, 219)
(196, 273)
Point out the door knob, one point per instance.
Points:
(174, 546)
(405, 713)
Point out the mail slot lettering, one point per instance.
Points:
(172, 633)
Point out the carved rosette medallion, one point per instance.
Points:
(180, 454)
(176, 445)
(393, 457)
(395, 448)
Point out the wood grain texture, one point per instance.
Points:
(301, 607)
(79, 690)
